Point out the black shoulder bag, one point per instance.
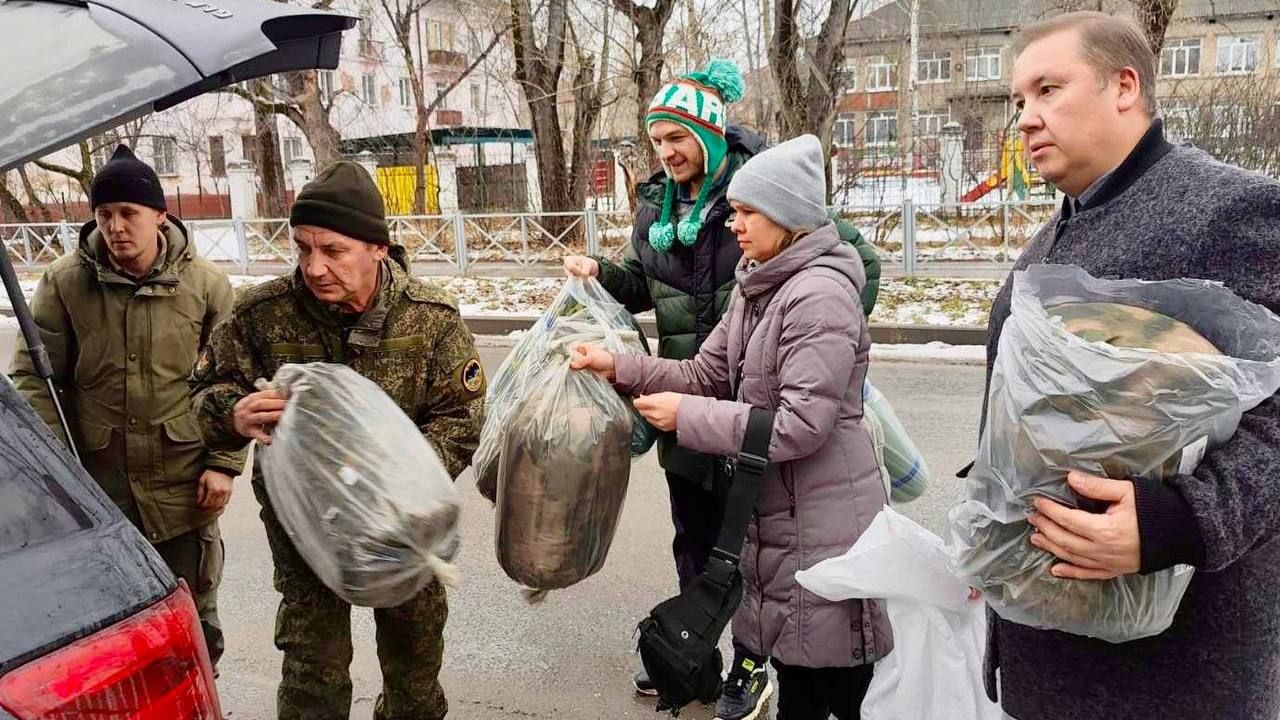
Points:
(678, 640)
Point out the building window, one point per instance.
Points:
(369, 90)
(477, 98)
(1180, 58)
(849, 76)
(105, 148)
(406, 93)
(325, 81)
(365, 25)
(249, 149)
(1238, 55)
(934, 67)
(164, 152)
(292, 149)
(882, 129)
(217, 156)
(981, 64)
(881, 74)
(930, 124)
(439, 35)
(844, 132)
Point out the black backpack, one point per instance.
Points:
(679, 640)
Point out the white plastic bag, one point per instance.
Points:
(361, 493)
(939, 634)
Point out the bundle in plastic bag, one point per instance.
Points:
(1116, 378)
(360, 491)
(563, 470)
(901, 463)
(582, 303)
(939, 634)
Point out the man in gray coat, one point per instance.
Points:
(1139, 207)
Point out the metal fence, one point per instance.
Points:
(911, 237)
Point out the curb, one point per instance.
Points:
(881, 333)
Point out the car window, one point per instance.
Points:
(79, 67)
(41, 496)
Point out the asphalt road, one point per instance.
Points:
(572, 656)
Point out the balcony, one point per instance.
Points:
(447, 58)
(448, 118)
(370, 49)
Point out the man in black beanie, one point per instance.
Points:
(124, 320)
(350, 301)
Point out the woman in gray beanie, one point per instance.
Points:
(794, 341)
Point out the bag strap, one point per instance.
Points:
(749, 468)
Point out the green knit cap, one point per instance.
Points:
(344, 199)
(697, 102)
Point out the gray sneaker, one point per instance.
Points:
(744, 695)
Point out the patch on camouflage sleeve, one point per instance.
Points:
(203, 364)
(472, 375)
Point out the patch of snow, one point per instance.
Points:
(934, 352)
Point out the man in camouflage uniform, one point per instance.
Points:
(350, 301)
(124, 319)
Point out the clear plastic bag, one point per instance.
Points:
(1059, 402)
(901, 463)
(935, 669)
(564, 468)
(362, 494)
(582, 303)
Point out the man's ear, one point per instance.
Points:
(1128, 90)
(379, 252)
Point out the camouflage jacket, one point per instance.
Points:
(122, 350)
(411, 342)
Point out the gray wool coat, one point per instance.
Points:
(795, 327)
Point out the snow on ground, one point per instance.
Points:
(922, 301)
(919, 301)
(934, 352)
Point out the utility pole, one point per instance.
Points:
(913, 87)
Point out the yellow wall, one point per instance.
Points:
(397, 184)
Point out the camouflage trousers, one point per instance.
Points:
(313, 629)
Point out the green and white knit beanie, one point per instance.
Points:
(696, 101)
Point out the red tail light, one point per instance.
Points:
(152, 666)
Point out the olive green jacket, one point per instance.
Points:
(411, 342)
(122, 351)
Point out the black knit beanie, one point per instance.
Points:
(125, 178)
(343, 199)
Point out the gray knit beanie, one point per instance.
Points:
(787, 182)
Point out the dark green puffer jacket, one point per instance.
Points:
(688, 288)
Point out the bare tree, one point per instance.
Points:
(650, 24)
(807, 71)
(129, 134)
(1234, 119)
(33, 197)
(539, 69)
(1154, 16)
(405, 17)
(10, 202)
